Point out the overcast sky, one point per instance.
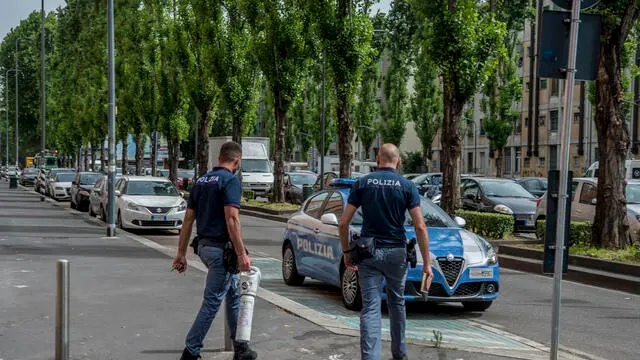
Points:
(12, 11)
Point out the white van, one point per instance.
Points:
(632, 168)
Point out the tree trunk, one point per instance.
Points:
(154, 157)
(280, 112)
(86, 159)
(610, 225)
(426, 159)
(203, 142)
(499, 163)
(125, 149)
(104, 165)
(451, 146)
(139, 153)
(173, 147)
(93, 159)
(237, 129)
(345, 135)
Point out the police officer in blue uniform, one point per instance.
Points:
(384, 197)
(215, 202)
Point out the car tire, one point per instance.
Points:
(119, 224)
(350, 289)
(91, 213)
(290, 273)
(476, 305)
(73, 204)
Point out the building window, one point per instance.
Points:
(527, 163)
(470, 162)
(541, 163)
(555, 87)
(576, 118)
(518, 126)
(541, 120)
(553, 157)
(553, 120)
(543, 84)
(481, 128)
(518, 157)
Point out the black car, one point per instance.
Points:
(429, 184)
(500, 196)
(293, 183)
(81, 189)
(29, 176)
(537, 186)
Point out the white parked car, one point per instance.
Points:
(148, 203)
(60, 185)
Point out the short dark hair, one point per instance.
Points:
(230, 151)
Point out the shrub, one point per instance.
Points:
(492, 225)
(579, 232)
(249, 194)
(412, 162)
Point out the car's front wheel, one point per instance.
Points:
(119, 221)
(477, 305)
(350, 288)
(91, 213)
(73, 203)
(289, 269)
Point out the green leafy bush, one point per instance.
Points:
(579, 232)
(249, 194)
(492, 225)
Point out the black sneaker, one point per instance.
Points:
(403, 357)
(186, 355)
(242, 351)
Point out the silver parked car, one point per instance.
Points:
(584, 192)
(60, 186)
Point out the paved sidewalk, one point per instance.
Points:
(125, 303)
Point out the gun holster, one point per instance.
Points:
(412, 256)
(195, 243)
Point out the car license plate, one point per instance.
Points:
(481, 273)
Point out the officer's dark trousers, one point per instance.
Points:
(389, 264)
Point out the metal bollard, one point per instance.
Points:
(227, 331)
(62, 310)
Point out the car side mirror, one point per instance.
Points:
(117, 192)
(594, 201)
(329, 219)
(74, 183)
(470, 196)
(460, 221)
(181, 194)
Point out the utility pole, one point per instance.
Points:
(43, 142)
(322, 125)
(17, 96)
(563, 194)
(111, 226)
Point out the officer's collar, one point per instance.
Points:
(387, 169)
(221, 168)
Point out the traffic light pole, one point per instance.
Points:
(563, 195)
(111, 226)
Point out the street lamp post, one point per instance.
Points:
(17, 95)
(111, 227)
(43, 143)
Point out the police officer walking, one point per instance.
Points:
(215, 201)
(384, 196)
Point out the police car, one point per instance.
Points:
(465, 266)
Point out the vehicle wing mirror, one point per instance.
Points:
(181, 194)
(329, 219)
(117, 192)
(470, 196)
(460, 221)
(594, 201)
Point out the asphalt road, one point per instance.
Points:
(596, 321)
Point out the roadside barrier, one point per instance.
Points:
(62, 310)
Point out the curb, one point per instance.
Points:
(269, 211)
(263, 215)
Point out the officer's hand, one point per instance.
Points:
(348, 263)
(427, 270)
(180, 264)
(245, 262)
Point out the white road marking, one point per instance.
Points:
(21, 286)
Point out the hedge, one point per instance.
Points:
(492, 225)
(579, 232)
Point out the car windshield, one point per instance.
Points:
(185, 174)
(433, 216)
(504, 189)
(89, 179)
(56, 171)
(256, 165)
(51, 161)
(65, 177)
(633, 193)
(30, 171)
(302, 179)
(157, 188)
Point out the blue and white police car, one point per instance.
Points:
(465, 266)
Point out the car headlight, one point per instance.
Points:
(135, 207)
(503, 209)
(182, 206)
(492, 257)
